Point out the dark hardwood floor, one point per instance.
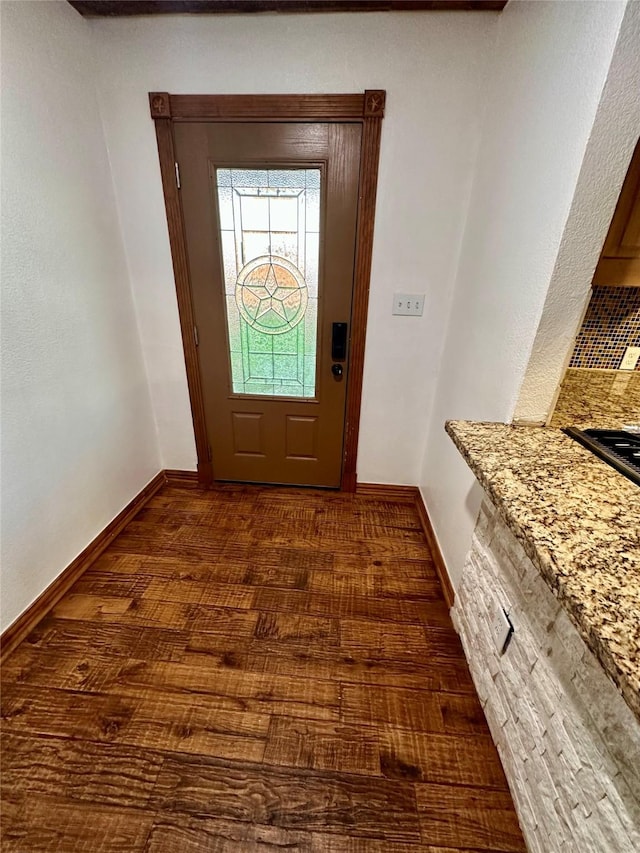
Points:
(252, 669)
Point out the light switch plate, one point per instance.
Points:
(408, 304)
(630, 358)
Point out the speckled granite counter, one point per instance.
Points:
(598, 398)
(578, 520)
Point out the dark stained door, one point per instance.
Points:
(270, 218)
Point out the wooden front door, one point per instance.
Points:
(270, 213)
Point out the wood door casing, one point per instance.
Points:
(253, 439)
(367, 108)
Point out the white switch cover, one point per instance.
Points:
(408, 304)
(501, 628)
(630, 358)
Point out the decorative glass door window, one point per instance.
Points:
(270, 233)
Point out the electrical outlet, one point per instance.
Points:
(630, 358)
(501, 628)
(408, 304)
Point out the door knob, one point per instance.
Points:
(336, 369)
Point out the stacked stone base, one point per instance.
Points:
(568, 741)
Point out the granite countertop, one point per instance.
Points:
(579, 522)
(598, 398)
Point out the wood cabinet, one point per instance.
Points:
(619, 264)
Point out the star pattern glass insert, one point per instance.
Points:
(269, 229)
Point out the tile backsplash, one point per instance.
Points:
(611, 324)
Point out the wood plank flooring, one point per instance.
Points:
(252, 669)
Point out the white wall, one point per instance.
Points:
(551, 62)
(603, 170)
(433, 68)
(78, 437)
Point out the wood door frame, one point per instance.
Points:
(366, 109)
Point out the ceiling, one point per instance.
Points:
(121, 8)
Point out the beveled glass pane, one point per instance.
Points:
(226, 208)
(312, 179)
(254, 244)
(286, 245)
(312, 210)
(248, 177)
(229, 260)
(270, 253)
(311, 266)
(255, 213)
(260, 366)
(288, 178)
(283, 214)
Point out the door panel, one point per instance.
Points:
(301, 437)
(270, 217)
(247, 433)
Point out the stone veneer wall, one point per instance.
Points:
(569, 743)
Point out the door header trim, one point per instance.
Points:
(366, 108)
(353, 107)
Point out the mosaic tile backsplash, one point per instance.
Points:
(611, 324)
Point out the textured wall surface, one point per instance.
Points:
(569, 743)
(433, 68)
(78, 437)
(550, 66)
